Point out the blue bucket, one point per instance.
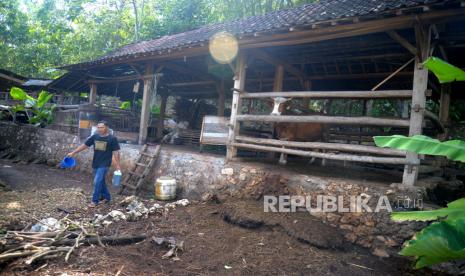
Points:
(68, 162)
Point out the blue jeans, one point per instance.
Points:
(100, 187)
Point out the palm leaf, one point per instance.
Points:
(454, 210)
(440, 242)
(454, 149)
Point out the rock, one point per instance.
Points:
(351, 237)
(227, 171)
(380, 253)
(391, 243)
(346, 227)
(331, 217)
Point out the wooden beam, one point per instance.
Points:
(93, 93)
(420, 83)
(145, 112)
(402, 41)
(381, 94)
(278, 78)
(161, 118)
(191, 83)
(261, 54)
(221, 98)
(239, 84)
(10, 78)
(324, 146)
(333, 156)
(393, 74)
(340, 120)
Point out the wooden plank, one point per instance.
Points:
(333, 156)
(215, 130)
(420, 83)
(381, 94)
(145, 112)
(324, 120)
(239, 84)
(325, 146)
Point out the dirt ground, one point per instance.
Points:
(232, 237)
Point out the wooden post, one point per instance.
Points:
(278, 78)
(93, 93)
(221, 98)
(161, 119)
(420, 83)
(239, 83)
(444, 106)
(306, 101)
(145, 113)
(278, 87)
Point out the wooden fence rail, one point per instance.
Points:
(382, 94)
(333, 156)
(323, 146)
(363, 120)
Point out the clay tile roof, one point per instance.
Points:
(304, 15)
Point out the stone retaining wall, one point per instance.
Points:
(203, 176)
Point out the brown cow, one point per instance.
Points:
(300, 132)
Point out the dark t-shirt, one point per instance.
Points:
(103, 149)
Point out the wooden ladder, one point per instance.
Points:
(136, 177)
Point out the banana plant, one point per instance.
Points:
(444, 239)
(41, 114)
(441, 241)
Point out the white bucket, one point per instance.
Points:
(165, 188)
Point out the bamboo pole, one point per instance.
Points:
(239, 84)
(382, 94)
(420, 83)
(324, 120)
(325, 146)
(333, 156)
(145, 113)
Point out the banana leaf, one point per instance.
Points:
(453, 149)
(440, 242)
(444, 71)
(43, 98)
(454, 210)
(19, 94)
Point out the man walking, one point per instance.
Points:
(106, 146)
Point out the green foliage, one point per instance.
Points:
(454, 210)
(41, 114)
(453, 149)
(441, 241)
(444, 71)
(125, 105)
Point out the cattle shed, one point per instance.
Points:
(353, 51)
